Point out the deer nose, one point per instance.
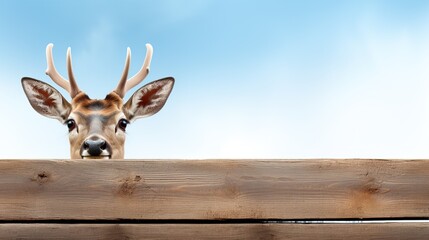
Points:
(94, 146)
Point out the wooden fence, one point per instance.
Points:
(214, 199)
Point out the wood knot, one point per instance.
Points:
(373, 186)
(371, 189)
(128, 186)
(41, 177)
(366, 197)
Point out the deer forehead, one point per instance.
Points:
(84, 103)
(100, 110)
(96, 118)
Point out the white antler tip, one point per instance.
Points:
(149, 53)
(149, 47)
(49, 57)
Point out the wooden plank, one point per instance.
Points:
(215, 231)
(213, 189)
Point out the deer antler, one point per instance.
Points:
(124, 85)
(71, 85)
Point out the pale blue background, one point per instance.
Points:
(254, 79)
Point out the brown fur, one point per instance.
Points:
(97, 117)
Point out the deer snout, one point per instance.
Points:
(95, 147)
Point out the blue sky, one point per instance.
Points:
(254, 79)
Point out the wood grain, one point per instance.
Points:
(215, 231)
(213, 189)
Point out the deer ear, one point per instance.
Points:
(149, 99)
(45, 99)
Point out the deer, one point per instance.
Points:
(97, 127)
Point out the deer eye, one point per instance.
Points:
(122, 124)
(71, 124)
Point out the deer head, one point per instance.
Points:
(97, 126)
